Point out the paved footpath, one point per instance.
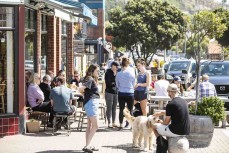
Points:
(108, 140)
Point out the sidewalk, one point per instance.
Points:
(108, 140)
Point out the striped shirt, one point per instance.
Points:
(207, 89)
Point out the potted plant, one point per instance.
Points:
(33, 126)
(209, 112)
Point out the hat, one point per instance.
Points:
(177, 78)
(115, 63)
(172, 87)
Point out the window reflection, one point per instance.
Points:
(29, 51)
(6, 72)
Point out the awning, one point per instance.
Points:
(15, 2)
(76, 9)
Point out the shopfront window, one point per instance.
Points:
(91, 53)
(29, 51)
(29, 39)
(6, 60)
(44, 40)
(64, 46)
(63, 52)
(44, 44)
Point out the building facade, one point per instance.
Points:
(36, 36)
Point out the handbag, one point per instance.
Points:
(162, 145)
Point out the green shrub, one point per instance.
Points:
(211, 106)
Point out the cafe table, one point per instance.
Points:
(76, 94)
(163, 99)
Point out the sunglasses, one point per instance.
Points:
(76, 76)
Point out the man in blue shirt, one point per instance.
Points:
(61, 99)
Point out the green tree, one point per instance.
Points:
(204, 25)
(146, 26)
(224, 14)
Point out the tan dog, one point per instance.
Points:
(141, 127)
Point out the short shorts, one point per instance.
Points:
(140, 95)
(91, 107)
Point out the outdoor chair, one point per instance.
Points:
(82, 117)
(102, 108)
(61, 116)
(41, 116)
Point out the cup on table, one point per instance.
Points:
(80, 84)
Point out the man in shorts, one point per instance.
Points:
(176, 122)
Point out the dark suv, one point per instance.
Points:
(218, 72)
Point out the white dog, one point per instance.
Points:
(141, 127)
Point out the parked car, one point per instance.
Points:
(29, 65)
(218, 72)
(185, 69)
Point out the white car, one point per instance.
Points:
(29, 65)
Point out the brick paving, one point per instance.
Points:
(108, 140)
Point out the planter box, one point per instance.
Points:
(33, 126)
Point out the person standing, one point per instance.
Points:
(141, 88)
(111, 96)
(125, 81)
(91, 102)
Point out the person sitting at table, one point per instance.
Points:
(61, 99)
(207, 89)
(176, 122)
(161, 85)
(77, 79)
(193, 85)
(45, 87)
(59, 73)
(177, 81)
(36, 97)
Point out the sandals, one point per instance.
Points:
(90, 149)
(86, 149)
(94, 149)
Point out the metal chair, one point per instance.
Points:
(82, 117)
(41, 116)
(2, 97)
(62, 116)
(102, 108)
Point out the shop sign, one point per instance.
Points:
(78, 46)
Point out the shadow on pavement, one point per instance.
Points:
(46, 134)
(61, 151)
(128, 148)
